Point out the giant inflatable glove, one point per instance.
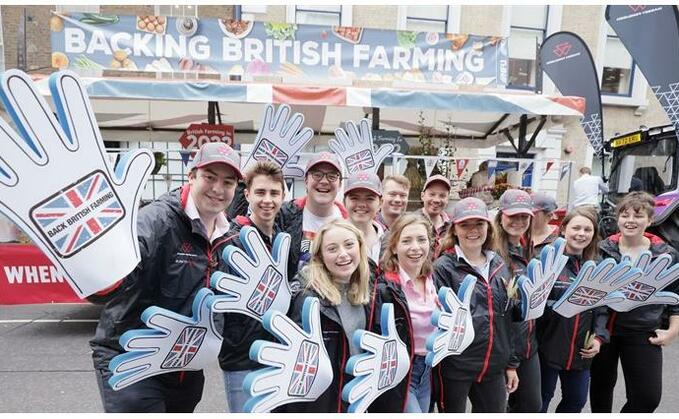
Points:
(299, 368)
(454, 327)
(279, 139)
(262, 283)
(384, 365)
(173, 343)
(542, 274)
(356, 150)
(596, 285)
(646, 290)
(57, 186)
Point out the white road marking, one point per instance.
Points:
(49, 321)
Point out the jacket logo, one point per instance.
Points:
(562, 49)
(637, 7)
(186, 247)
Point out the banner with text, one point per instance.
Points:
(243, 49)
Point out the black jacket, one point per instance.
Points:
(525, 342)
(646, 319)
(560, 339)
(177, 260)
(492, 313)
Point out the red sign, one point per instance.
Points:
(198, 134)
(28, 277)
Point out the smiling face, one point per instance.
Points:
(412, 249)
(265, 196)
(632, 224)
(212, 188)
(362, 205)
(322, 192)
(515, 225)
(395, 198)
(471, 235)
(435, 199)
(578, 234)
(340, 252)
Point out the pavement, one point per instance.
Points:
(47, 366)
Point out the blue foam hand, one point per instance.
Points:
(596, 285)
(382, 367)
(172, 343)
(57, 185)
(454, 327)
(542, 275)
(356, 150)
(279, 139)
(262, 281)
(299, 368)
(647, 289)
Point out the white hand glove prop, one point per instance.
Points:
(596, 285)
(57, 186)
(383, 367)
(455, 328)
(262, 283)
(646, 290)
(299, 368)
(279, 139)
(356, 149)
(542, 274)
(173, 343)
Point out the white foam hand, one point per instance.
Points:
(596, 285)
(647, 289)
(454, 327)
(57, 186)
(382, 367)
(541, 277)
(299, 369)
(262, 281)
(356, 150)
(279, 139)
(173, 343)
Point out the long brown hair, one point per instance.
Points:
(501, 244)
(591, 252)
(450, 240)
(389, 260)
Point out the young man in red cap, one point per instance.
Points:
(435, 200)
(181, 239)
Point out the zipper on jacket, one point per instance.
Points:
(412, 354)
(571, 351)
(212, 265)
(341, 375)
(528, 339)
(491, 319)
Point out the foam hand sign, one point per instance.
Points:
(455, 329)
(596, 285)
(262, 283)
(646, 290)
(279, 139)
(57, 186)
(299, 369)
(383, 367)
(356, 150)
(542, 274)
(173, 343)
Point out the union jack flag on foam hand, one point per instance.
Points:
(57, 185)
(382, 367)
(356, 150)
(262, 280)
(299, 368)
(541, 276)
(172, 343)
(454, 327)
(657, 275)
(279, 139)
(597, 285)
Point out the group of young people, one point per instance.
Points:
(359, 253)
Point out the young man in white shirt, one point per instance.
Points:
(586, 189)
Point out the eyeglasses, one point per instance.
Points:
(331, 176)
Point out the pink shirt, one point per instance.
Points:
(421, 308)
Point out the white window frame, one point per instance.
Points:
(637, 98)
(346, 14)
(250, 12)
(452, 20)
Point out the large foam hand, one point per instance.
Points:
(279, 139)
(596, 285)
(299, 368)
(542, 274)
(454, 327)
(262, 283)
(173, 343)
(57, 186)
(385, 364)
(647, 289)
(356, 150)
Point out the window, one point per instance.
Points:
(617, 76)
(252, 12)
(319, 15)
(427, 18)
(176, 10)
(78, 8)
(527, 29)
